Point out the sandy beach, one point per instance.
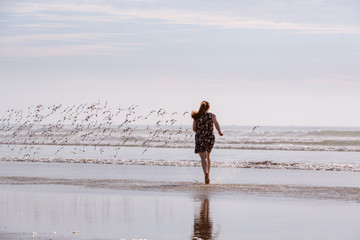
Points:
(102, 201)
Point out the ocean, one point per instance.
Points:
(281, 147)
(91, 172)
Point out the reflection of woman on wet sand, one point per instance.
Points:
(203, 225)
(204, 137)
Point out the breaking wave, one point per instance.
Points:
(196, 163)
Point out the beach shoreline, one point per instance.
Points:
(132, 202)
(80, 213)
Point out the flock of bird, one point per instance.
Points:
(88, 124)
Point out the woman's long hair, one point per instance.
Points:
(204, 106)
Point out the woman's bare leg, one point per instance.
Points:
(208, 161)
(204, 162)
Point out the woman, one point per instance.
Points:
(204, 137)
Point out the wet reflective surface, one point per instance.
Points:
(85, 201)
(203, 224)
(80, 213)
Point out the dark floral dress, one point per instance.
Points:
(204, 137)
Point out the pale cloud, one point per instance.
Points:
(108, 13)
(42, 25)
(63, 37)
(53, 8)
(334, 81)
(31, 45)
(310, 2)
(69, 50)
(206, 19)
(185, 40)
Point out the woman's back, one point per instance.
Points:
(204, 124)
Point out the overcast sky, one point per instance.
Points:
(291, 62)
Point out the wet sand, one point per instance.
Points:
(85, 201)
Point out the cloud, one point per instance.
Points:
(69, 50)
(67, 37)
(335, 81)
(66, 44)
(73, 14)
(109, 13)
(42, 25)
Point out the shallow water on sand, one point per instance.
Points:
(160, 215)
(179, 174)
(109, 201)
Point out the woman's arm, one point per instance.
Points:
(194, 126)
(217, 126)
